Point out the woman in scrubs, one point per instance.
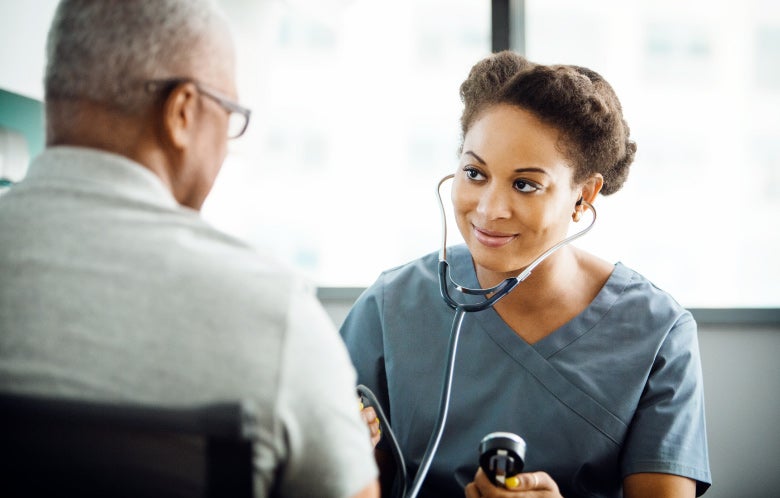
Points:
(595, 367)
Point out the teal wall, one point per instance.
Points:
(24, 115)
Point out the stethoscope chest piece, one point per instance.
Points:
(501, 455)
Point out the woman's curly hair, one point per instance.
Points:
(575, 100)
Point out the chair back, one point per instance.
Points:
(61, 447)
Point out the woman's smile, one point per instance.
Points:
(491, 238)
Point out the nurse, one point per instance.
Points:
(595, 367)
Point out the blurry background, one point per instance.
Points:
(355, 118)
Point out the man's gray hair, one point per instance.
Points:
(103, 50)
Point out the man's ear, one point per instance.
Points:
(179, 115)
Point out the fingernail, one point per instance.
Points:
(512, 482)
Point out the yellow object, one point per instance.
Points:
(512, 482)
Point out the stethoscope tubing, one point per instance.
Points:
(444, 405)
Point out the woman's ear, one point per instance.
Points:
(179, 113)
(591, 188)
(588, 192)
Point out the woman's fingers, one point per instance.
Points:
(372, 421)
(540, 483)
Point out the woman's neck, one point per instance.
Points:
(557, 290)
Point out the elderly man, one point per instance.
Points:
(113, 287)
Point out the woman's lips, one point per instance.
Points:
(490, 238)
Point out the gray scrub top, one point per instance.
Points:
(615, 391)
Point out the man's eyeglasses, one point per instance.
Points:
(238, 119)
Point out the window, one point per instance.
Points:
(355, 118)
(700, 87)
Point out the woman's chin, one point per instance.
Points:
(499, 265)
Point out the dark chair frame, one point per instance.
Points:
(64, 447)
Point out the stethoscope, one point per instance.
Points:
(491, 297)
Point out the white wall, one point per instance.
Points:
(23, 27)
(741, 368)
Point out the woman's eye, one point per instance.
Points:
(524, 186)
(473, 174)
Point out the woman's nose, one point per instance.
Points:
(494, 203)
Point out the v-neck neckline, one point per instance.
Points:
(462, 268)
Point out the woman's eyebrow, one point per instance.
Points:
(527, 170)
(518, 170)
(474, 154)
